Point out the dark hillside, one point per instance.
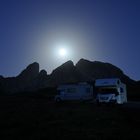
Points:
(34, 117)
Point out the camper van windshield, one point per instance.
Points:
(107, 90)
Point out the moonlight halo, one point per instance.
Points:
(62, 52)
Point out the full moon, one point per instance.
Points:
(62, 52)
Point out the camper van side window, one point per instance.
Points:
(121, 90)
(87, 90)
(71, 90)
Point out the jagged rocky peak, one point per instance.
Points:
(43, 73)
(96, 64)
(86, 63)
(31, 71)
(98, 69)
(64, 67)
(67, 64)
(65, 73)
(1, 77)
(82, 60)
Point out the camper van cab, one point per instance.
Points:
(110, 91)
(80, 91)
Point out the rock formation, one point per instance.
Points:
(30, 79)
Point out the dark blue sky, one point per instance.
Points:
(101, 30)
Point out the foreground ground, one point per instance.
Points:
(36, 117)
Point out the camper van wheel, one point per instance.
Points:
(98, 103)
(113, 103)
(58, 100)
(82, 100)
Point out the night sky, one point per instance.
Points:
(97, 30)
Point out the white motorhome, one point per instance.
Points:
(110, 91)
(80, 91)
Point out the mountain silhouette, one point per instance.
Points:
(66, 73)
(31, 79)
(95, 70)
(26, 80)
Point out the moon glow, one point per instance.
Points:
(62, 52)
